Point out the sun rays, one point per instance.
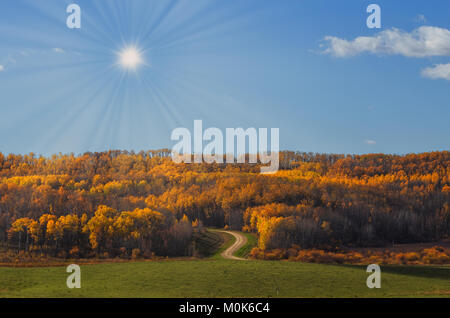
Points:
(126, 78)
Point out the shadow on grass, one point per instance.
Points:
(412, 270)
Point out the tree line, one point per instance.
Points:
(118, 202)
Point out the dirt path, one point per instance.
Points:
(240, 241)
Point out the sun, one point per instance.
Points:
(130, 58)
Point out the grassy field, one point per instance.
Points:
(217, 277)
(212, 243)
(246, 249)
(209, 243)
(224, 278)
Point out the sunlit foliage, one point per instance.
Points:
(123, 203)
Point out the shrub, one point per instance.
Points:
(74, 252)
(434, 255)
(135, 253)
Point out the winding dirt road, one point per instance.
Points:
(240, 241)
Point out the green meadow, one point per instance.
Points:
(216, 277)
(224, 278)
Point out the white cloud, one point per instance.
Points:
(439, 71)
(421, 42)
(2, 68)
(58, 50)
(370, 142)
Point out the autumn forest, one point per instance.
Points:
(124, 204)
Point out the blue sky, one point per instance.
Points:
(301, 66)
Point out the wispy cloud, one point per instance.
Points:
(370, 142)
(27, 53)
(439, 71)
(422, 42)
